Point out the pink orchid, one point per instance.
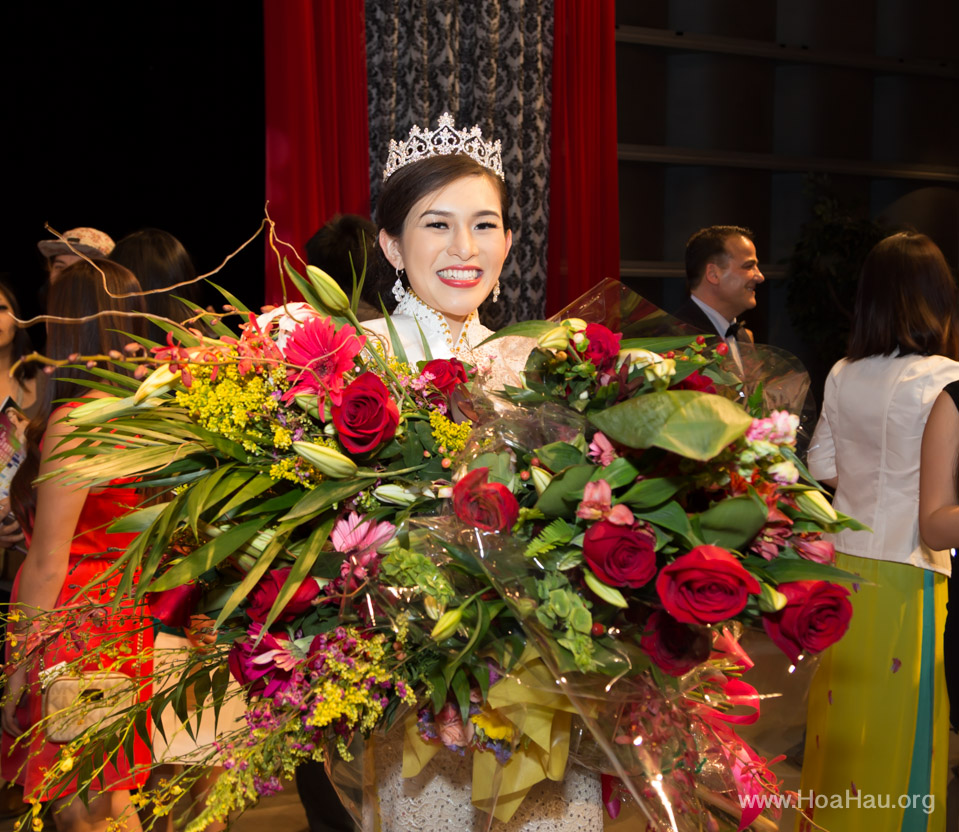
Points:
(597, 505)
(266, 667)
(601, 449)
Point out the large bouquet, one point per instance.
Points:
(379, 544)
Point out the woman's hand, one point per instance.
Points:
(201, 632)
(16, 682)
(10, 533)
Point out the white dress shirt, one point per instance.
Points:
(869, 435)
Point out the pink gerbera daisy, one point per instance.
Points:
(321, 355)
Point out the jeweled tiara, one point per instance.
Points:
(444, 141)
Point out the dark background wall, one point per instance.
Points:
(125, 115)
(725, 106)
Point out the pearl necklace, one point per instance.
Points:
(433, 323)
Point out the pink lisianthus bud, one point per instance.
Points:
(601, 449)
(810, 547)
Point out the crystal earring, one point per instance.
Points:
(399, 291)
(496, 292)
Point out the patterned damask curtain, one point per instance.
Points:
(487, 63)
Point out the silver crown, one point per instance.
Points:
(446, 140)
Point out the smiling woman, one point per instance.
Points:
(444, 227)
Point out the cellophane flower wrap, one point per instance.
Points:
(560, 579)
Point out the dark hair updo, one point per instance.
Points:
(907, 299)
(159, 261)
(409, 185)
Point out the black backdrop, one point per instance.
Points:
(126, 115)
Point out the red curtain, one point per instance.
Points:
(584, 189)
(317, 124)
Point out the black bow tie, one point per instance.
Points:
(734, 328)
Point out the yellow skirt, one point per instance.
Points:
(877, 734)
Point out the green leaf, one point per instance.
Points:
(438, 682)
(207, 556)
(694, 425)
(662, 343)
(786, 570)
(136, 521)
(325, 495)
(197, 497)
(303, 285)
(559, 495)
(649, 493)
(424, 342)
(733, 522)
(255, 487)
(618, 473)
(559, 455)
(527, 329)
(299, 571)
(606, 593)
(460, 685)
(557, 533)
(220, 685)
(672, 518)
(230, 298)
(395, 343)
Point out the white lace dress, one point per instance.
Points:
(497, 363)
(438, 798)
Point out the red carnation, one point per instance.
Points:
(704, 586)
(490, 506)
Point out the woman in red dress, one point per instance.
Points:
(69, 548)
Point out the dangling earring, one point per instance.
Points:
(399, 291)
(496, 292)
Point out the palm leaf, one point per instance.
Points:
(207, 556)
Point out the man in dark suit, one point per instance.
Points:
(722, 274)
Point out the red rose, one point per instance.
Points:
(704, 586)
(603, 348)
(445, 374)
(174, 607)
(816, 615)
(674, 647)
(366, 415)
(698, 382)
(490, 506)
(265, 593)
(620, 555)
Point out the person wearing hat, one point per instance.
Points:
(74, 243)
